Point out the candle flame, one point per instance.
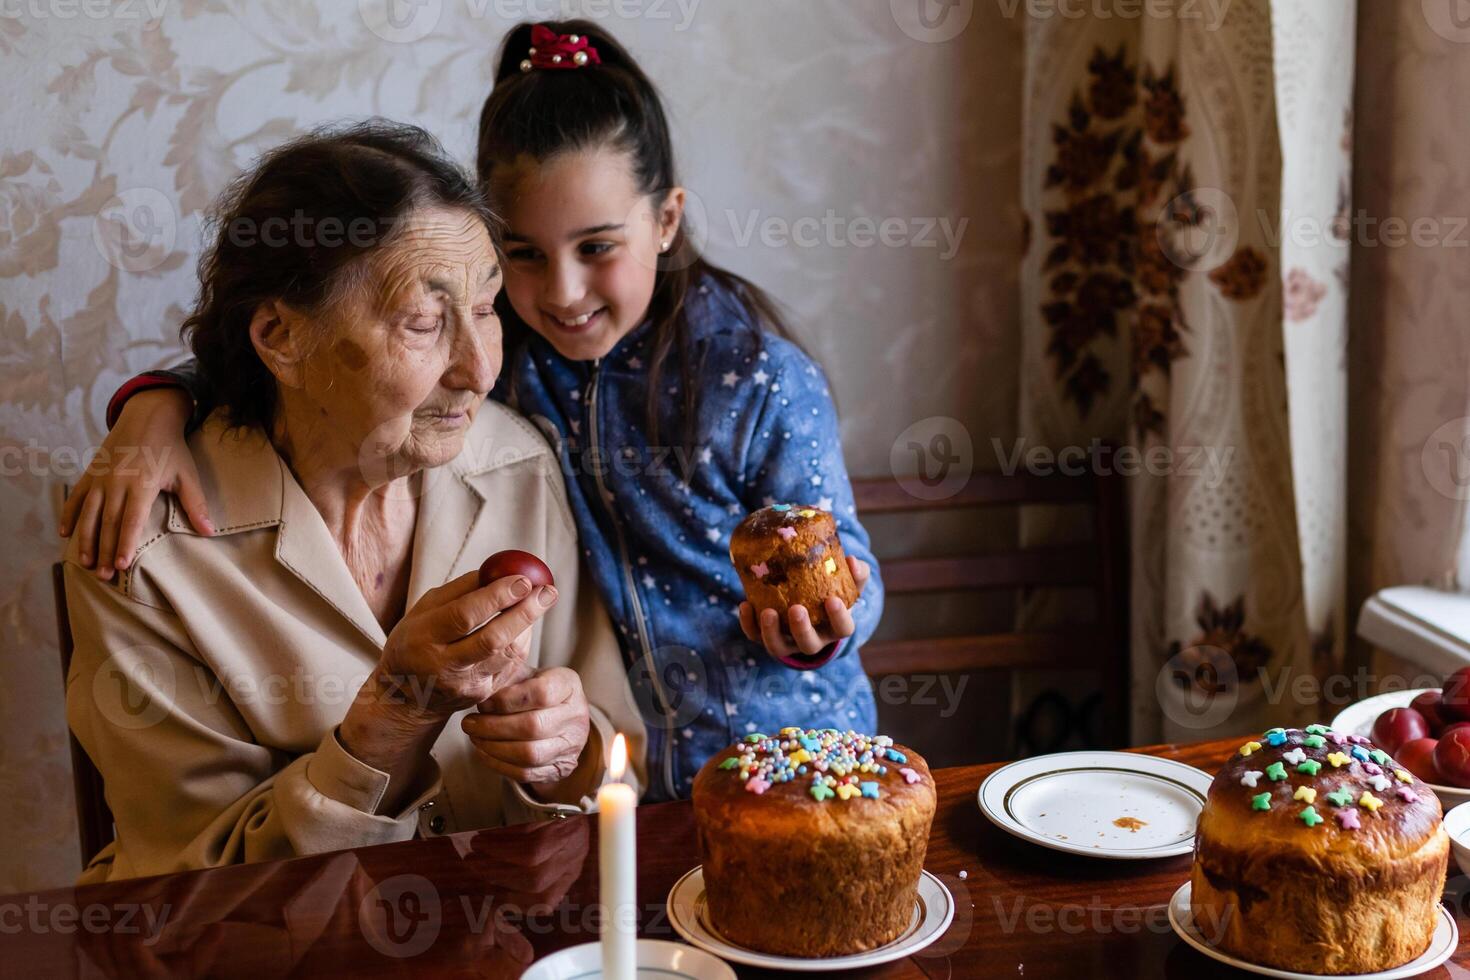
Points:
(619, 761)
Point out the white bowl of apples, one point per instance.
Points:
(1426, 730)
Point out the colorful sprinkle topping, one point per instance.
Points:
(787, 533)
(1379, 774)
(760, 570)
(780, 508)
(831, 566)
(830, 762)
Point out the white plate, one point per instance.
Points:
(1357, 719)
(1441, 945)
(1087, 802)
(657, 960)
(933, 912)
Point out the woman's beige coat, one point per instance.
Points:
(209, 676)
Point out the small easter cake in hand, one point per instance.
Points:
(1316, 852)
(813, 841)
(788, 555)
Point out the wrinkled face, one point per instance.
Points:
(582, 248)
(405, 361)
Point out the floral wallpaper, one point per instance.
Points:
(802, 128)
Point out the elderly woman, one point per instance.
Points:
(307, 679)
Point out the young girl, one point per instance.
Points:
(668, 388)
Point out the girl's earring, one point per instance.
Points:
(663, 246)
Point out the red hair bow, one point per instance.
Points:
(552, 50)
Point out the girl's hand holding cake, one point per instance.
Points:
(792, 566)
(800, 635)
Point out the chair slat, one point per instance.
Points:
(887, 496)
(1062, 649)
(1054, 567)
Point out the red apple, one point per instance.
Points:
(504, 563)
(1452, 758)
(1454, 703)
(1427, 704)
(1452, 726)
(1399, 725)
(1417, 756)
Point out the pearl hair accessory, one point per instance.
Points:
(552, 50)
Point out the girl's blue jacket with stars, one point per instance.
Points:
(655, 524)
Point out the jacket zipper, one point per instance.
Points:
(628, 580)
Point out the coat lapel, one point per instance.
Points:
(449, 509)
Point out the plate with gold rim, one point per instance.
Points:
(1444, 941)
(689, 914)
(1117, 805)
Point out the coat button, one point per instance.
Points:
(436, 823)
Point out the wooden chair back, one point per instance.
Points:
(1101, 565)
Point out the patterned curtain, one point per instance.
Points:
(1186, 187)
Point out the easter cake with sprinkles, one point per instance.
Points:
(1317, 853)
(789, 555)
(813, 840)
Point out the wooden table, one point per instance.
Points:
(486, 904)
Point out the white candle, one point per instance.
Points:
(617, 870)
